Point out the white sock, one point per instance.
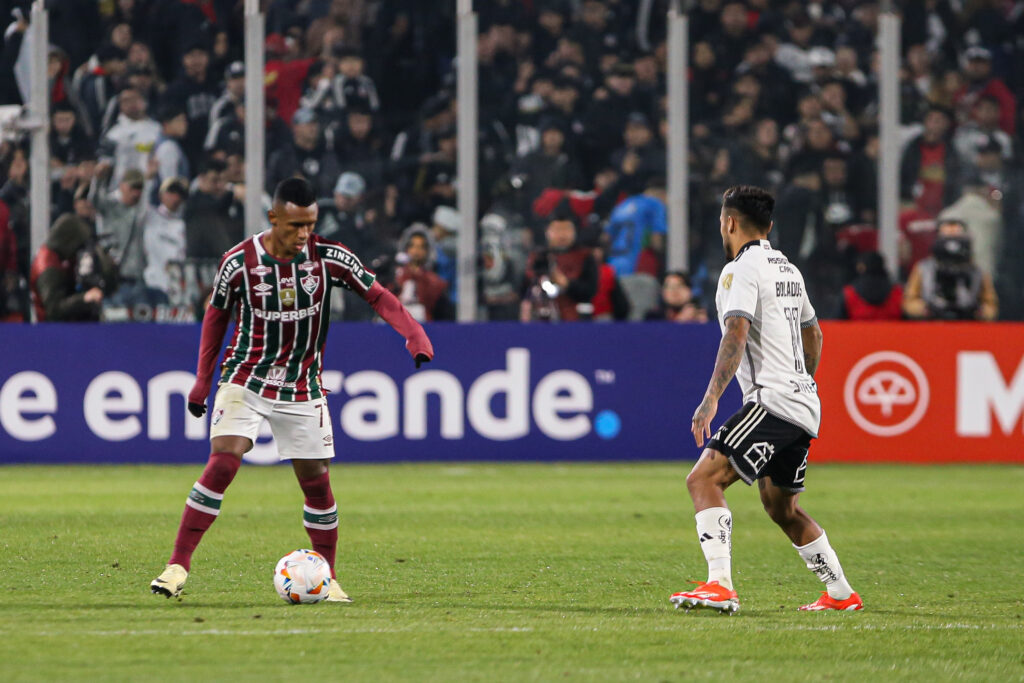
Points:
(714, 531)
(823, 561)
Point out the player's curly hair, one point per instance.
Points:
(296, 191)
(754, 203)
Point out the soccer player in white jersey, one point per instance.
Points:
(772, 342)
(279, 284)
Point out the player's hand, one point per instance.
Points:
(702, 420)
(197, 397)
(420, 359)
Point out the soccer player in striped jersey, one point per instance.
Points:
(771, 341)
(279, 284)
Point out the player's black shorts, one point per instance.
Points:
(758, 444)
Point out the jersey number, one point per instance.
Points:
(793, 316)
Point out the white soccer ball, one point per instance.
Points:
(302, 577)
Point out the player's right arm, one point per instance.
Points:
(812, 339)
(740, 288)
(215, 324)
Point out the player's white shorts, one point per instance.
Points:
(302, 429)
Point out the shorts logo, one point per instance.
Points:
(288, 296)
(886, 393)
(262, 289)
(727, 281)
(762, 452)
(310, 283)
(217, 416)
(329, 440)
(260, 271)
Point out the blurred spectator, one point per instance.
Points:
(872, 295)
(233, 95)
(163, 238)
(500, 272)
(948, 285)
(308, 155)
(194, 91)
(168, 154)
(639, 159)
(561, 278)
(979, 213)
(677, 302)
(214, 213)
(359, 146)
(344, 218)
(70, 274)
(100, 84)
(444, 228)
(130, 141)
(343, 87)
(930, 166)
(421, 291)
(69, 142)
(11, 306)
(122, 215)
(434, 184)
(980, 82)
(638, 225)
(547, 166)
(982, 131)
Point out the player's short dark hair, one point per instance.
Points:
(755, 204)
(296, 191)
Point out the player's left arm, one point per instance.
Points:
(391, 310)
(345, 268)
(730, 353)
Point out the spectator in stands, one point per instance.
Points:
(444, 229)
(948, 285)
(169, 156)
(359, 145)
(547, 166)
(434, 185)
(980, 82)
(982, 129)
(123, 215)
(560, 277)
(101, 84)
(130, 141)
(69, 142)
(500, 269)
(872, 295)
(678, 304)
(930, 165)
(422, 291)
(636, 226)
(233, 95)
(979, 210)
(308, 156)
(610, 302)
(163, 238)
(70, 275)
(343, 86)
(195, 91)
(344, 218)
(214, 213)
(640, 158)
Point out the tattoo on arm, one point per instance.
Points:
(730, 352)
(812, 339)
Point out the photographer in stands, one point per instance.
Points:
(948, 285)
(561, 278)
(71, 274)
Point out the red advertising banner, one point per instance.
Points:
(921, 392)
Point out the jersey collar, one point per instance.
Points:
(764, 244)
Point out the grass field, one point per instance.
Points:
(508, 572)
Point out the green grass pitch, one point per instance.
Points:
(509, 572)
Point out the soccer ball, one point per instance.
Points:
(302, 577)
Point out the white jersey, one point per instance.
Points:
(761, 285)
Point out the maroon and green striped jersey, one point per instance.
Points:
(283, 312)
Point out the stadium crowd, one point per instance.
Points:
(147, 133)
